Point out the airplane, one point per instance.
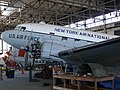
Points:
(63, 44)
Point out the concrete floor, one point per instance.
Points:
(21, 82)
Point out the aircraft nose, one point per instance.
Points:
(4, 35)
(8, 37)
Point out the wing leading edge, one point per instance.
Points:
(106, 53)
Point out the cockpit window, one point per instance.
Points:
(23, 28)
(19, 28)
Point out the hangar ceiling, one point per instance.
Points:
(59, 12)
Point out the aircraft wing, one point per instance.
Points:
(106, 53)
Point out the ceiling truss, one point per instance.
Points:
(59, 12)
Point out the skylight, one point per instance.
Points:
(97, 21)
(6, 11)
(4, 3)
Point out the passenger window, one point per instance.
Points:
(52, 33)
(90, 42)
(64, 38)
(77, 40)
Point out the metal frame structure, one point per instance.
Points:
(59, 12)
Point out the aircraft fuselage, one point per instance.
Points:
(53, 38)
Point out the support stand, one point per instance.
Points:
(36, 53)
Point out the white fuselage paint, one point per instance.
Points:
(53, 38)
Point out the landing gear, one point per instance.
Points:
(10, 73)
(90, 69)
